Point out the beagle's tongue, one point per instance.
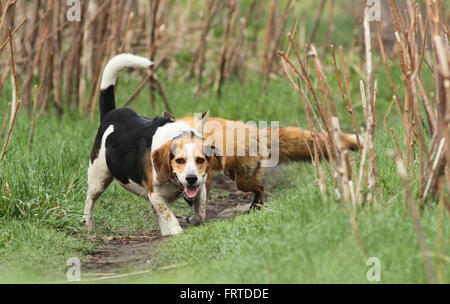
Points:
(190, 192)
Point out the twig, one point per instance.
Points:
(396, 141)
(316, 21)
(350, 105)
(161, 92)
(143, 82)
(5, 121)
(13, 32)
(16, 94)
(154, 6)
(34, 116)
(415, 215)
(276, 41)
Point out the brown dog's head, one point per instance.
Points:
(187, 158)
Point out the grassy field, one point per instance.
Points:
(300, 239)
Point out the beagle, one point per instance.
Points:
(158, 159)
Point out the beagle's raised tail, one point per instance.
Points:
(112, 68)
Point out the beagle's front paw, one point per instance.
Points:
(88, 222)
(171, 229)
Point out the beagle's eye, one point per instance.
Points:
(200, 160)
(180, 161)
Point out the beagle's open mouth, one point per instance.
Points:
(190, 192)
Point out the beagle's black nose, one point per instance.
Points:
(191, 179)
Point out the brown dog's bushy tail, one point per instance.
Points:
(297, 144)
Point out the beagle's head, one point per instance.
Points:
(186, 158)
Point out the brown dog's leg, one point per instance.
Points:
(257, 201)
(251, 184)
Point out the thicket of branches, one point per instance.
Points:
(422, 50)
(67, 56)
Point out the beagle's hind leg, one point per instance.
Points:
(99, 178)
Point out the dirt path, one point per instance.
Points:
(116, 252)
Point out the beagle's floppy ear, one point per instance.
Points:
(200, 122)
(161, 162)
(213, 151)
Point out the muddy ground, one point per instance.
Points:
(113, 253)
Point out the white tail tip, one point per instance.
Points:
(120, 62)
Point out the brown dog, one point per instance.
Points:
(247, 168)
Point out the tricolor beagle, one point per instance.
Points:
(158, 159)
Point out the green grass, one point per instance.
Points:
(300, 239)
(303, 239)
